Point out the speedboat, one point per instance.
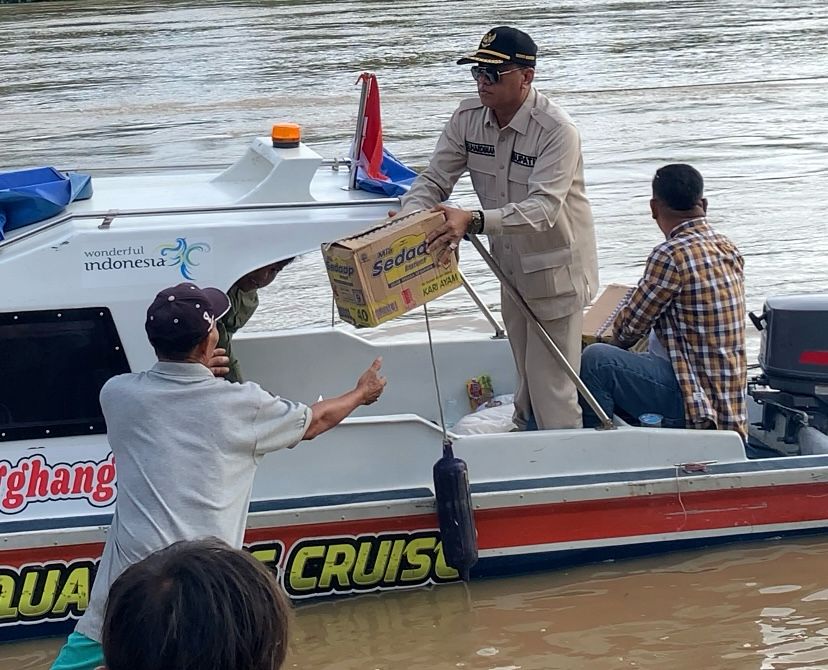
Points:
(353, 511)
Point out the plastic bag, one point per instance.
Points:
(494, 419)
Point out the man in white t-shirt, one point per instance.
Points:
(187, 445)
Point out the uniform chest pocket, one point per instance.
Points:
(484, 180)
(519, 174)
(519, 181)
(547, 274)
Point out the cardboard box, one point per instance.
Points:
(600, 315)
(387, 271)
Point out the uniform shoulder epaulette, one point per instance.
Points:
(469, 103)
(551, 117)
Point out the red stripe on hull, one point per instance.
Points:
(291, 534)
(653, 514)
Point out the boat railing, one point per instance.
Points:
(108, 216)
(333, 163)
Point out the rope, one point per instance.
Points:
(436, 381)
(680, 501)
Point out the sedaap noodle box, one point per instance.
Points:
(387, 271)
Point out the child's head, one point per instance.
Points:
(263, 276)
(196, 606)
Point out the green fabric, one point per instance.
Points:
(79, 653)
(242, 306)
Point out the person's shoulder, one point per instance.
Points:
(686, 249)
(551, 116)
(248, 393)
(268, 406)
(726, 248)
(468, 105)
(125, 379)
(120, 384)
(666, 252)
(723, 239)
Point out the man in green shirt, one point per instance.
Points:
(244, 299)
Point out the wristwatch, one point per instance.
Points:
(476, 225)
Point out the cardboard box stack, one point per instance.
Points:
(387, 271)
(599, 316)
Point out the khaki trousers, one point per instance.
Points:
(544, 390)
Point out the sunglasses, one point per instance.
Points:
(491, 75)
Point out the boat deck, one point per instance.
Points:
(176, 188)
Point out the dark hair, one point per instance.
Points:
(196, 605)
(174, 351)
(679, 186)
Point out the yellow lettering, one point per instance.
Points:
(7, 610)
(298, 581)
(441, 568)
(421, 563)
(47, 598)
(393, 568)
(74, 592)
(338, 564)
(264, 555)
(448, 280)
(361, 576)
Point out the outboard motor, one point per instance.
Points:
(793, 386)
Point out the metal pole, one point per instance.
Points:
(606, 422)
(500, 332)
(360, 130)
(210, 209)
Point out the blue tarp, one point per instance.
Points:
(399, 176)
(29, 196)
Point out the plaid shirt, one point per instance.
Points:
(692, 296)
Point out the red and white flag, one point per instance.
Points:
(370, 152)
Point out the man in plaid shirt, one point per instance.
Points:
(691, 304)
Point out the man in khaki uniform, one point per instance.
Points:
(524, 156)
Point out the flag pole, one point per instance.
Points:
(365, 78)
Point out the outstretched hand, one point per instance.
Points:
(328, 413)
(371, 384)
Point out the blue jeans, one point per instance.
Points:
(627, 383)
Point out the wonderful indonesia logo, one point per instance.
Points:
(181, 254)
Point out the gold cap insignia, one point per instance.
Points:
(488, 38)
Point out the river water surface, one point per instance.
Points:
(736, 87)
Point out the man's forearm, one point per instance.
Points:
(328, 413)
(534, 215)
(435, 183)
(424, 194)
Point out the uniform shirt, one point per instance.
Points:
(692, 296)
(529, 177)
(186, 445)
(242, 306)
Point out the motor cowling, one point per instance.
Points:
(793, 353)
